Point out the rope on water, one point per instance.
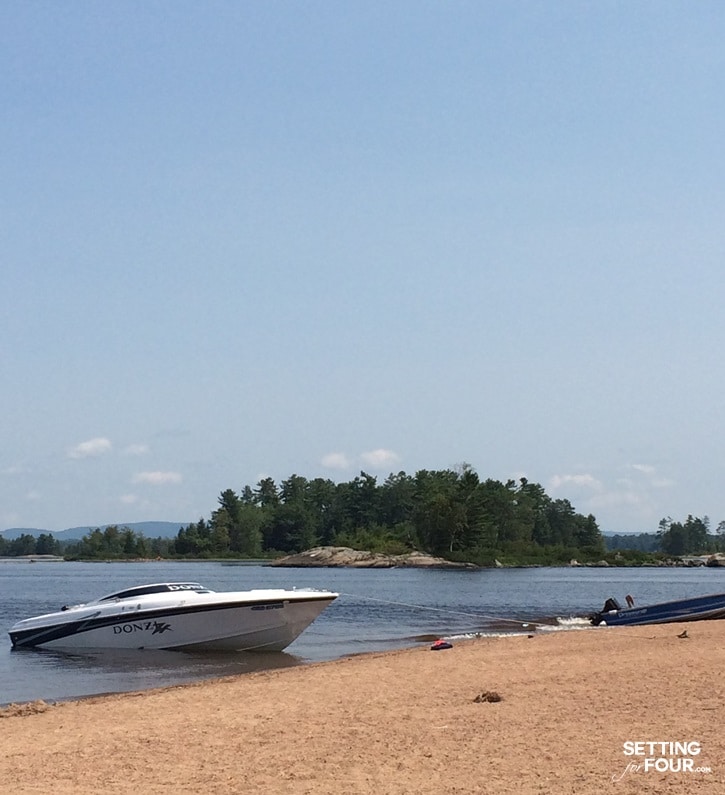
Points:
(516, 621)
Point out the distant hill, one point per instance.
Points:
(149, 529)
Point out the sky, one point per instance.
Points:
(243, 240)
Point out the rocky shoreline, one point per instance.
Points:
(332, 557)
(346, 557)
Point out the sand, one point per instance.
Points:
(411, 721)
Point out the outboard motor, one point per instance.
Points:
(609, 605)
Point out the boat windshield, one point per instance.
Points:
(165, 587)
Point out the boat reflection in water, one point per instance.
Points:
(94, 672)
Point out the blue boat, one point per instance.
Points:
(698, 608)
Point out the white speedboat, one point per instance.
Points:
(177, 615)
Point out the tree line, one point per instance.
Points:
(451, 513)
(111, 542)
(690, 537)
(27, 544)
(673, 538)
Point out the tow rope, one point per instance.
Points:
(518, 622)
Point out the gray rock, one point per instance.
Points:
(362, 559)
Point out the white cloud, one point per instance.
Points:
(157, 478)
(617, 499)
(129, 499)
(90, 448)
(380, 458)
(136, 449)
(373, 459)
(650, 472)
(632, 495)
(335, 461)
(637, 506)
(663, 483)
(579, 481)
(645, 469)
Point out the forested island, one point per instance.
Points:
(452, 514)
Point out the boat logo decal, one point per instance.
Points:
(186, 586)
(156, 627)
(160, 627)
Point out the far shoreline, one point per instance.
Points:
(271, 562)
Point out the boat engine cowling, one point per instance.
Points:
(609, 605)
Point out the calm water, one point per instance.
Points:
(378, 609)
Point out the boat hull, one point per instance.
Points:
(701, 608)
(265, 624)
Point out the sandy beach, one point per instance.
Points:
(411, 721)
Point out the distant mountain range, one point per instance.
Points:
(171, 530)
(149, 529)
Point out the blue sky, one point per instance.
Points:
(255, 239)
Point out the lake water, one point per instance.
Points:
(378, 609)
